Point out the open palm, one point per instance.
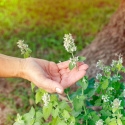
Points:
(50, 76)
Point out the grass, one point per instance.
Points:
(43, 23)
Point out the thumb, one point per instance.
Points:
(53, 86)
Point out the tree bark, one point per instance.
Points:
(109, 42)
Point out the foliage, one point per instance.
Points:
(106, 91)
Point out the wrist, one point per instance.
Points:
(21, 68)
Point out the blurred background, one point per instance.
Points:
(42, 25)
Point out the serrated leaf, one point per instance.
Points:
(29, 117)
(21, 122)
(107, 120)
(81, 59)
(47, 111)
(38, 116)
(105, 84)
(55, 112)
(38, 97)
(65, 114)
(71, 66)
(77, 104)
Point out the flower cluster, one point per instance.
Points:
(106, 69)
(99, 122)
(120, 61)
(96, 84)
(46, 99)
(99, 76)
(24, 47)
(69, 43)
(116, 103)
(74, 60)
(114, 62)
(105, 98)
(100, 65)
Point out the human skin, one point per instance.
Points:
(52, 77)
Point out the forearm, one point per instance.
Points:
(10, 66)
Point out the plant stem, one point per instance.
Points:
(72, 55)
(76, 63)
(82, 91)
(69, 99)
(85, 112)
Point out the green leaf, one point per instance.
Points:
(114, 109)
(67, 90)
(81, 59)
(65, 114)
(77, 104)
(21, 122)
(47, 111)
(55, 112)
(113, 123)
(84, 83)
(119, 121)
(71, 66)
(32, 86)
(105, 84)
(62, 123)
(37, 123)
(75, 113)
(38, 116)
(38, 97)
(105, 113)
(98, 102)
(107, 120)
(29, 117)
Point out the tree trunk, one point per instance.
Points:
(109, 42)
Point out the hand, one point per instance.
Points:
(50, 76)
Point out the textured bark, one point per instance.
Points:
(109, 42)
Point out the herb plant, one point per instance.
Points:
(106, 91)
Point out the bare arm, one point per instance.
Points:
(10, 66)
(46, 75)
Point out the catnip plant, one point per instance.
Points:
(106, 91)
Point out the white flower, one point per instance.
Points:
(110, 88)
(96, 84)
(99, 122)
(120, 61)
(74, 60)
(46, 99)
(69, 43)
(99, 76)
(105, 98)
(113, 63)
(22, 46)
(106, 69)
(116, 103)
(100, 65)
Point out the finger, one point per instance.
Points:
(76, 76)
(53, 86)
(83, 67)
(63, 65)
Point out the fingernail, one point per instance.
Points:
(59, 90)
